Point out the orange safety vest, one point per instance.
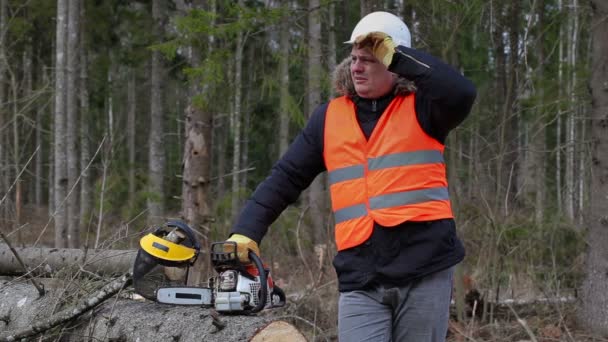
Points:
(397, 175)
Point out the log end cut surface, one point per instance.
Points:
(279, 331)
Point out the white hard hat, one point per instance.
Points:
(383, 22)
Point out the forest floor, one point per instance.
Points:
(529, 322)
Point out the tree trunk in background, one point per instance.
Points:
(196, 164)
(583, 163)
(156, 162)
(368, 6)
(331, 45)
(539, 140)
(28, 92)
(316, 194)
(3, 160)
(60, 172)
(51, 152)
(41, 107)
(472, 165)
(570, 118)
(109, 106)
(592, 313)
(507, 21)
(51, 167)
(14, 99)
(575, 107)
(251, 81)
(284, 114)
(26, 111)
(511, 109)
(85, 154)
(236, 119)
(558, 121)
(131, 129)
(499, 88)
(72, 122)
(220, 135)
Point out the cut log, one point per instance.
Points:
(120, 319)
(279, 331)
(47, 261)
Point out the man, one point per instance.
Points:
(382, 145)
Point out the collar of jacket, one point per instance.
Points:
(372, 106)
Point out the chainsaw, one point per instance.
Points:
(166, 255)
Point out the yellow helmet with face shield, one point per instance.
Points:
(164, 258)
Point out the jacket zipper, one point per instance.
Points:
(414, 59)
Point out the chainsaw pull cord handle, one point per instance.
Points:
(263, 282)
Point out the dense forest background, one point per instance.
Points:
(117, 115)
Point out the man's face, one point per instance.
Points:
(371, 78)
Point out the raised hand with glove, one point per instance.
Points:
(381, 45)
(243, 246)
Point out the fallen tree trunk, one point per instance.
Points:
(119, 319)
(48, 261)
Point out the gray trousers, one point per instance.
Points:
(417, 312)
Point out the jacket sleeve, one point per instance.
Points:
(443, 97)
(293, 173)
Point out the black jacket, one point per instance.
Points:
(390, 256)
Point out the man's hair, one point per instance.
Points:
(344, 85)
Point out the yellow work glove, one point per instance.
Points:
(243, 245)
(381, 44)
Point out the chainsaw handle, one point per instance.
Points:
(279, 293)
(263, 282)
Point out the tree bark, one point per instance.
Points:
(572, 46)
(85, 153)
(558, 121)
(316, 193)
(368, 6)
(60, 160)
(511, 109)
(592, 313)
(3, 153)
(284, 114)
(131, 130)
(48, 261)
(38, 169)
(103, 318)
(196, 164)
(236, 119)
(14, 90)
(538, 140)
(506, 20)
(156, 160)
(72, 122)
(245, 132)
(28, 91)
(331, 42)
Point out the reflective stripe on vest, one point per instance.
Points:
(396, 176)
